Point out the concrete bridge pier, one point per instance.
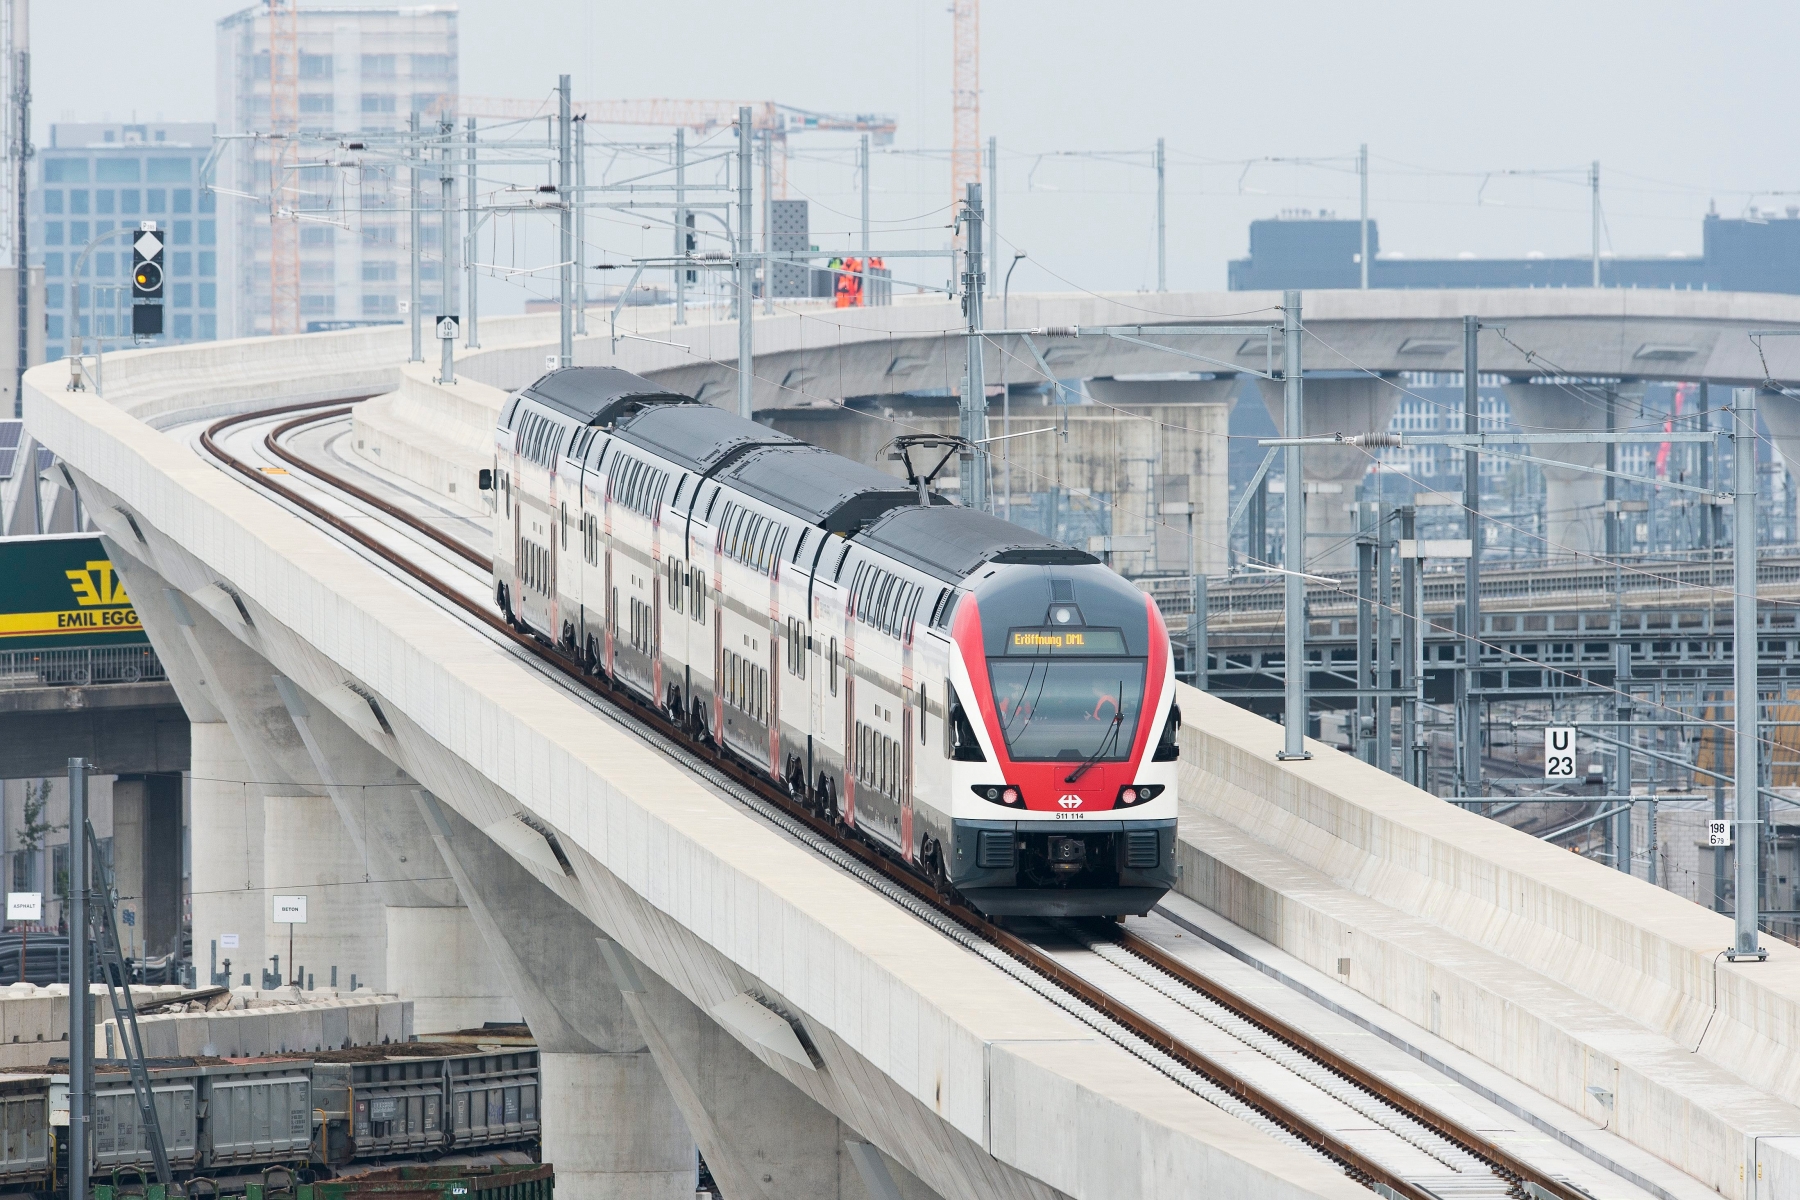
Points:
(609, 1122)
(762, 1137)
(1574, 500)
(636, 1077)
(1349, 406)
(283, 785)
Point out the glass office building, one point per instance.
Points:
(94, 178)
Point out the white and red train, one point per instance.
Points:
(994, 708)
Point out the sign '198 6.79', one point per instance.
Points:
(1559, 752)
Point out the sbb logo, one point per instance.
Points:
(1070, 801)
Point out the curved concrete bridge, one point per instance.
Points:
(490, 844)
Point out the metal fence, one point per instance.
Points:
(79, 666)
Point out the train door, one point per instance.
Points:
(718, 650)
(772, 710)
(815, 691)
(656, 624)
(906, 778)
(612, 602)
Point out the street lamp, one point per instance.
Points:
(1005, 390)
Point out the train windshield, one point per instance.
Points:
(1064, 710)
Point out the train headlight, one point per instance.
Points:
(1062, 614)
(1137, 793)
(1000, 793)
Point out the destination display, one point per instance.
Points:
(1065, 642)
(63, 591)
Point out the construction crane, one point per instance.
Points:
(776, 121)
(284, 125)
(965, 99)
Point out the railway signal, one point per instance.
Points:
(147, 282)
(147, 265)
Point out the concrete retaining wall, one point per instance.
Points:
(436, 435)
(1600, 990)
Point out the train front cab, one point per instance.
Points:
(1062, 741)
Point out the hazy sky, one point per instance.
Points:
(1682, 103)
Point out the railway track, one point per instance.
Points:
(1246, 1060)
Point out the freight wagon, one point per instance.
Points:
(231, 1118)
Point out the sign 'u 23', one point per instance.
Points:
(1559, 752)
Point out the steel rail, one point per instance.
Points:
(272, 443)
(1324, 1141)
(1298, 1039)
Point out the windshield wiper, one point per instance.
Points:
(1111, 736)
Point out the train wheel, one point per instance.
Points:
(933, 857)
(827, 806)
(503, 602)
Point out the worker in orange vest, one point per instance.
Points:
(848, 292)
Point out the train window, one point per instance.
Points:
(697, 609)
(922, 739)
(612, 616)
(710, 501)
(565, 526)
(834, 666)
(796, 647)
(859, 597)
(884, 602)
(959, 735)
(946, 605)
(842, 558)
(732, 524)
(800, 546)
(765, 542)
(679, 485)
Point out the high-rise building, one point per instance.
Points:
(93, 178)
(357, 71)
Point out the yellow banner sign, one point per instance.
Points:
(96, 620)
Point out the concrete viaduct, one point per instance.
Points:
(485, 843)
